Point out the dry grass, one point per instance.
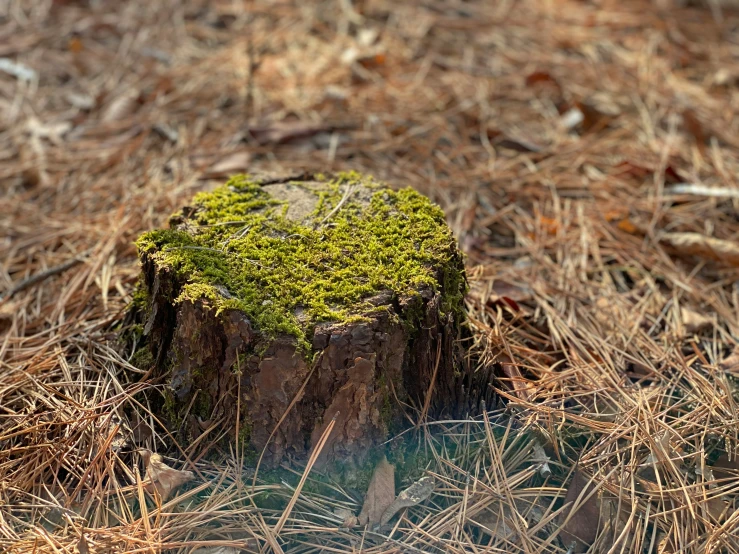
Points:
(554, 134)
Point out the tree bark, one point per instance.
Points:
(392, 353)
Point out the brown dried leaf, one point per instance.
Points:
(349, 520)
(593, 118)
(582, 514)
(161, 478)
(499, 519)
(236, 162)
(695, 244)
(730, 364)
(121, 107)
(380, 493)
(725, 468)
(497, 523)
(371, 61)
(82, 545)
(412, 496)
(693, 321)
(717, 508)
(514, 291)
(541, 77)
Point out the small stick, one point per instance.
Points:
(344, 198)
(317, 452)
(427, 401)
(42, 275)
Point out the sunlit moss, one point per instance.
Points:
(241, 251)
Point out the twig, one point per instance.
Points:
(343, 200)
(430, 392)
(311, 462)
(43, 275)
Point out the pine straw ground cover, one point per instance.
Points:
(585, 153)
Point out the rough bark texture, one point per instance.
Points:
(368, 371)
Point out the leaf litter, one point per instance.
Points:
(161, 478)
(591, 168)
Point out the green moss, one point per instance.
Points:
(202, 406)
(170, 407)
(142, 358)
(140, 299)
(244, 253)
(245, 429)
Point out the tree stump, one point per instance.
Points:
(303, 300)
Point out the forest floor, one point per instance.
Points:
(586, 153)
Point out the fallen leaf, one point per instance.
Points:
(550, 225)
(693, 321)
(121, 107)
(627, 226)
(672, 175)
(730, 364)
(374, 60)
(539, 456)
(161, 478)
(571, 118)
(717, 508)
(725, 468)
(368, 36)
(495, 523)
(695, 244)
(512, 291)
(412, 496)
(380, 494)
(615, 214)
(581, 515)
(8, 311)
(350, 55)
(541, 77)
(82, 545)
(236, 162)
(593, 119)
(499, 519)
(349, 520)
(724, 77)
(75, 45)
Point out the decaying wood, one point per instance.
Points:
(368, 375)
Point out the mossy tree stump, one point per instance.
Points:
(337, 291)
